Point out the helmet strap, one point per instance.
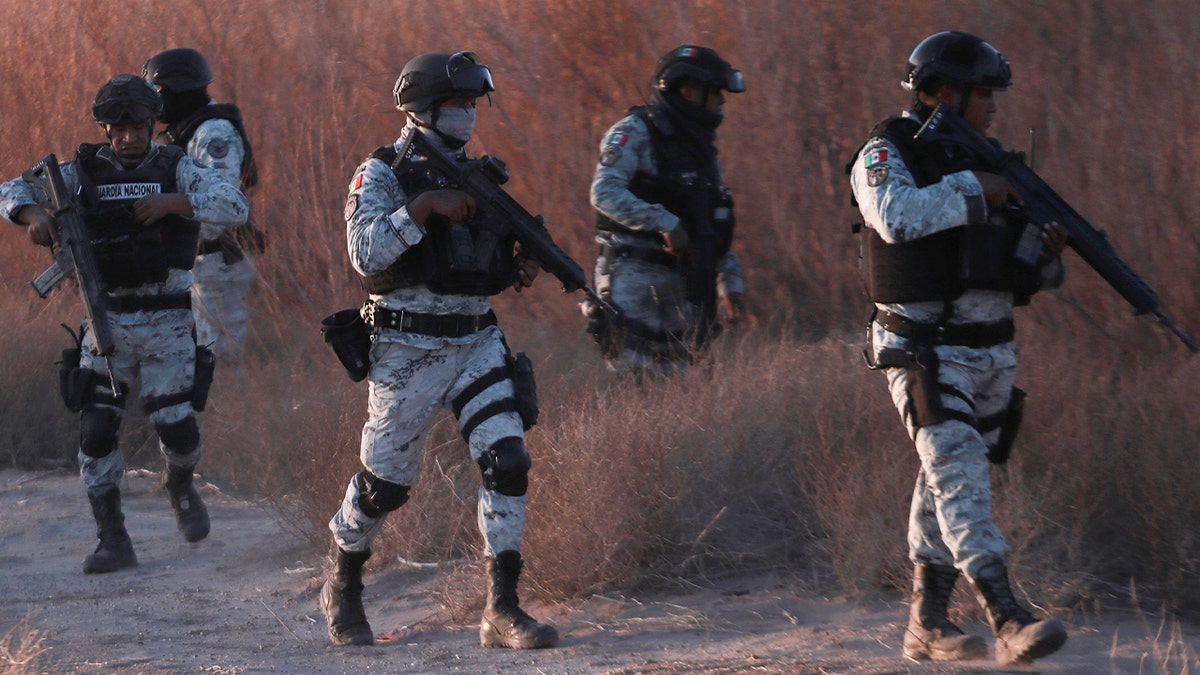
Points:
(964, 97)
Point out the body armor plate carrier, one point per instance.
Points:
(467, 258)
(128, 253)
(944, 265)
(688, 185)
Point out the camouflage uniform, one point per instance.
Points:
(413, 375)
(950, 522)
(157, 345)
(650, 296)
(221, 289)
(944, 268)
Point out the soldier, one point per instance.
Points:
(214, 136)
(665, 221)
(435, 344)
(145, 247)
(943, 267)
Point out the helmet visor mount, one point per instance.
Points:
(734, 82)
(468, 77)
(996, 76)
(126, 99)
(430, 79)
(123, 112)
(962, 60)
(701, 65)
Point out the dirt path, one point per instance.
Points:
(244, 601)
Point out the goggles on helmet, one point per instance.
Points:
(734, 82)
(126, 99)
(468, 77)
(123, 112)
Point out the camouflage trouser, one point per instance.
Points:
(408, 385)
(159, 347)
(219, 300)
(655, 311)
(951, 518)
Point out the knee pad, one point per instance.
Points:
(505, 467)
(98, 430)
(181, 437)
(378, 496)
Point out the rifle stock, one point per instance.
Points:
(75, 258)
(473, 178)
(1043, 205)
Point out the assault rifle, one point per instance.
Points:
(1043, 205)
(482, 179)
(74, 258)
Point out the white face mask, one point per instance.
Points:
(457, 123)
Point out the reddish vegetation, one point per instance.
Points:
(794, 458)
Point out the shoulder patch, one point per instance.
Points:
(613, 147)
(351, 207)
(875, 162)
(358, 182)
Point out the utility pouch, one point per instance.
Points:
(231, 251)
(460, 249)
(605, 330)
(206, 367)
(1010, 422)
(924, 398)
(888, 357)
(74, 383)
(348, 335)
(524, 387)
(250, 238)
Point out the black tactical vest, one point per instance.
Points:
(182, 131)
(688, 185)
(942, 266)
(128, 253)
(465, 258)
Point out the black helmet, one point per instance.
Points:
(177, 70)
(698, 63)
(126, 99)
(430, 79)
(959, 59)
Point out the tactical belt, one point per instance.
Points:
(652, 256)
(123, 304)
(966, 335)
(208, 246)
(435, 325)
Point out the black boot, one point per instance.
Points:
(341, 600)
(504, 624)
(190, 513)
(1020, 638)
(115, 550)
(930, 635)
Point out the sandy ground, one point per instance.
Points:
(244, 601)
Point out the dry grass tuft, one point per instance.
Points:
(784, 450)
(21, 650)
